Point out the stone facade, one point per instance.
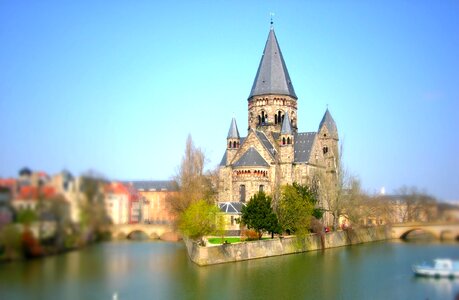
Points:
(204, 256)
(274, 153)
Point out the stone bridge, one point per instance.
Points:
(440, 230)
(153, 231)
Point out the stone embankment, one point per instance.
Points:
(225, 253)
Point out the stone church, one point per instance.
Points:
(274, 153)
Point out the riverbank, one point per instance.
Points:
(225, 253)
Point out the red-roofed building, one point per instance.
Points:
(122, 203)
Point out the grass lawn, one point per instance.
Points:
(228, 239)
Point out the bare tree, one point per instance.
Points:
(191, 181)
(339, 193)
(415, 206)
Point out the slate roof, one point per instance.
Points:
(286, 126)
(264, 140)
(303, 146)
(223, 161)
(251, 158)
(153, 185)
(328, 121)
(233, 133)
(272, 75)
(231, 207)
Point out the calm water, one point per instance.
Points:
(159, 270)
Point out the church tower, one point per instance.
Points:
(273, 152)
(328, 137)
(233, 141)
(272, 95)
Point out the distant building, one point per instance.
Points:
(274, 153)
(154, 207)
(448, 212)
(118, 203)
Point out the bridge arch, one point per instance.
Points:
(447, 235)
(131, 235)
(124, 231)
(405, 233)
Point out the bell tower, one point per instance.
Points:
(272, 95)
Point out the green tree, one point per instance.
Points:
(296, 207)
(27, 216)
(199, 219)
(10, 241)
(259, 215)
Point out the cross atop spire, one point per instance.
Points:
(272, 76)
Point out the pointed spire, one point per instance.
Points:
(329, 123)
(286, 126)
(233, 133)
(272, 75)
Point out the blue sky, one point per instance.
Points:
(117, 86)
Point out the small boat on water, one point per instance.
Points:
(443, 267)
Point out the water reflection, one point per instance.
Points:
(162, 270)
(443, 287)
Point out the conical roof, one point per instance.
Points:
(233, 133)
(272, 75)
(328, 121)
(286, 126)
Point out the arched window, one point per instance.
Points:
(283, 141)
(279, 117)
(275, 119)
(234, 144)
(242, 193)
(288, 141)
(325, 149)
(229, 145)
(261, 188)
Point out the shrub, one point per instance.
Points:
(249, 235)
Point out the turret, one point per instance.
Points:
(233, 141)
(328, 137)
(286, 141)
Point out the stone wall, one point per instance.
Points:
(281, 246)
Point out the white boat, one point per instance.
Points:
(442, 267)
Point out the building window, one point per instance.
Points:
(283, 141)
(261, 188)
(232, 220)
(288, 141)
(242, 193)
(325, 149)
(263, 119)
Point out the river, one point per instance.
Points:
(161, 270)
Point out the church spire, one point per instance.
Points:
(272, 75)
(233, 133)
(329, 125)
(286, 126)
